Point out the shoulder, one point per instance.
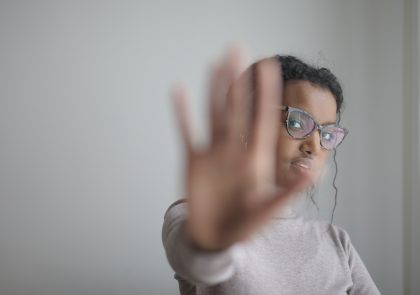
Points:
(177, 209)
(178, 204)
(336, 234)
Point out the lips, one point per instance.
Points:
(302, 163)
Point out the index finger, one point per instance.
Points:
(268, 95)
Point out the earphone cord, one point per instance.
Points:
(334, 186)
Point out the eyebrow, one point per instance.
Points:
(284, 108)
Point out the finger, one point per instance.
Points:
(239, 102)
(260, 212)
(221, 79)
(268, 95)
(217, 104)
(179, 96)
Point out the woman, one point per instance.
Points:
(236, 233)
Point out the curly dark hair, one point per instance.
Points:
(295, 69)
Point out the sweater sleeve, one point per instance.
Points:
(363, 283)
(188, 262)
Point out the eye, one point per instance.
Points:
(296, 124)
(328, 136)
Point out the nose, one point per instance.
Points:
(311, 145)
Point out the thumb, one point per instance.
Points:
(273, 202)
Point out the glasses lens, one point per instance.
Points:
(332, 136)
(299, 124)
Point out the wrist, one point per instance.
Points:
(200, 247)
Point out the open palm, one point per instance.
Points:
(229, 186)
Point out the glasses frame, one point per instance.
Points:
(317, 126)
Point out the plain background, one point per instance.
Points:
(89, 151)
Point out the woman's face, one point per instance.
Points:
(297, 156)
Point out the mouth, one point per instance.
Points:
(303, 164)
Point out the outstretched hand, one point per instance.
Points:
(229, 185)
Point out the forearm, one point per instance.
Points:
(189, 262)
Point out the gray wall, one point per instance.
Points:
(90, 156)
(411, 175)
